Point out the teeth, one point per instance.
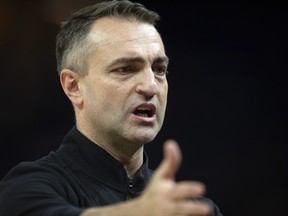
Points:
(143, 108)
(144, 115)
(143, 111)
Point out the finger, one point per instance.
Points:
(193, 208)
(171, 162)
(187, 190)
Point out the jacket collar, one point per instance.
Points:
(89, 158)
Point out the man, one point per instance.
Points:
(112, 66)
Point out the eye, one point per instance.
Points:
(160, 70)
(127, 69)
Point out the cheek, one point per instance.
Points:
(112, 91)
(109, 95)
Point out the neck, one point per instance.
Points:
(133, 164)
(131, 161)
(130, 155)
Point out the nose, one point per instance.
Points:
(147, 84)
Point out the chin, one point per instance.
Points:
(144, 139)
(142, 135)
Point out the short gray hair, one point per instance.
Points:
(72, 44)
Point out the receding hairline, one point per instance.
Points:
(97, 30)
(72, 54)
(89, 44)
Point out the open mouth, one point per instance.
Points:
(147, 110)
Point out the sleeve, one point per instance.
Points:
(34, 194)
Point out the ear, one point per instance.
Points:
(70, 84)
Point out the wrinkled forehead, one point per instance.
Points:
(115, 30)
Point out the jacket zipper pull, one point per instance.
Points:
(131, 188)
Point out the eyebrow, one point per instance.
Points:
(126, 60)
(163, 59)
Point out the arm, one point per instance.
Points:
(163, 196)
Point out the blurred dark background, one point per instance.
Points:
(227, 101)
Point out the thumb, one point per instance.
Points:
(171, 162)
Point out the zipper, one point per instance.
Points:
(130, 188)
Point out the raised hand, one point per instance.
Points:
(164, 196)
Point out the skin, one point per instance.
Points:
(128, 71)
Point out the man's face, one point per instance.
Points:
(125, 91)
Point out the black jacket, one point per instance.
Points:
(78, 175)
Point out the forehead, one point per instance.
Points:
(115, 32)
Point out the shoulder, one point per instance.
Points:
(43, 167)
(34, 173)
(30, 185)
(48, 171)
